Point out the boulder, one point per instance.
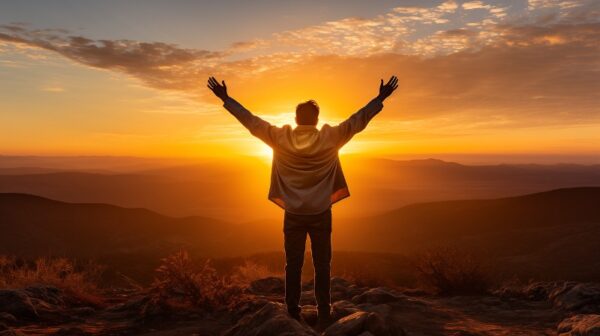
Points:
(48, 294)
(71, 331)
(351, 325)
(310, 314)
(271, 320)
(17, 303)
(343, 308)
(376, 296)
(268, 286)
(580, 325)
(11, 332)
(382, 310)
(7, 318)
(360, 322)
(249, 306)
(340, 284)
(307, 298)
(582, 297)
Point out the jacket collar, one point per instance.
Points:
(305, 127)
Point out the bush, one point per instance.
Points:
(452, 271)
(179, 282)
(79, 280)
(250, 271)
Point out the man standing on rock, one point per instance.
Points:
(306, 179)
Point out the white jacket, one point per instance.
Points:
(306, 174)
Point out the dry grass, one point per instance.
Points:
(452, 271)
(180, 283)
(251, 270)
(78, 280)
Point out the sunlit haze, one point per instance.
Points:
(497, 80)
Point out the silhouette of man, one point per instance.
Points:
(306, 179)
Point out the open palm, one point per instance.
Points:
(387, 89)
(220, 90)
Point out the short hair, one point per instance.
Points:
(307, 113)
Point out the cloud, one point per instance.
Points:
(537, 67)
(53, 89)
(475, 5)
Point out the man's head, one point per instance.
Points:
(307, 113)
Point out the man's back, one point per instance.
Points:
(306, 175)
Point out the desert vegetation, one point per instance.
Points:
(450, 292)
(454, 271)
(79, 280)
(180, 283)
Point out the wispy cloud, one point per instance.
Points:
(542, 59)
(53, 88)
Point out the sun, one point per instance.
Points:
(264, 152)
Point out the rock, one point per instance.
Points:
(271, 320)
(48, 294)
(543, 290)
(377, 325)
(580, 325)
(342, 308)
(465, 333)
(376, 295)
(340, 284)
(307, 298)
(248, 307)
(360, 322)
(415, 292)
(83, 311)
(268, 286)
(71, 331)
(7, 318)
(382, 310)
(11, 332)
(17, 303)
(351, 325)
(310, 314)
(583, 297)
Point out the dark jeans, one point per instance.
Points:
(295, 229)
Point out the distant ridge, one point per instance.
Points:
(553, 234)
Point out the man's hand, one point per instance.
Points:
(218, 89)
(387, 89)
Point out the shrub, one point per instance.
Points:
(251, 270)
(79, 280)
(179, 282)
(452, 271)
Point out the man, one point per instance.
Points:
(306, 179)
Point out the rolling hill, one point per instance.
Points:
(225, 189)
(552, 234)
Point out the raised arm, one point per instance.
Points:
(257, 126)
(359, 120)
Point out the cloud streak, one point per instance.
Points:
(541, 62)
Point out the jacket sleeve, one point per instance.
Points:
(357, 122)
(257, 126)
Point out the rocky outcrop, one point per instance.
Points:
(376, 296)
(362, 322)
(271, 320)
(267, 286)
(582, 297)
(580, 325)
(567, 296)
(17, 303)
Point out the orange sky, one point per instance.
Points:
(475, 77)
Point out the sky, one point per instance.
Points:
(492, 78)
